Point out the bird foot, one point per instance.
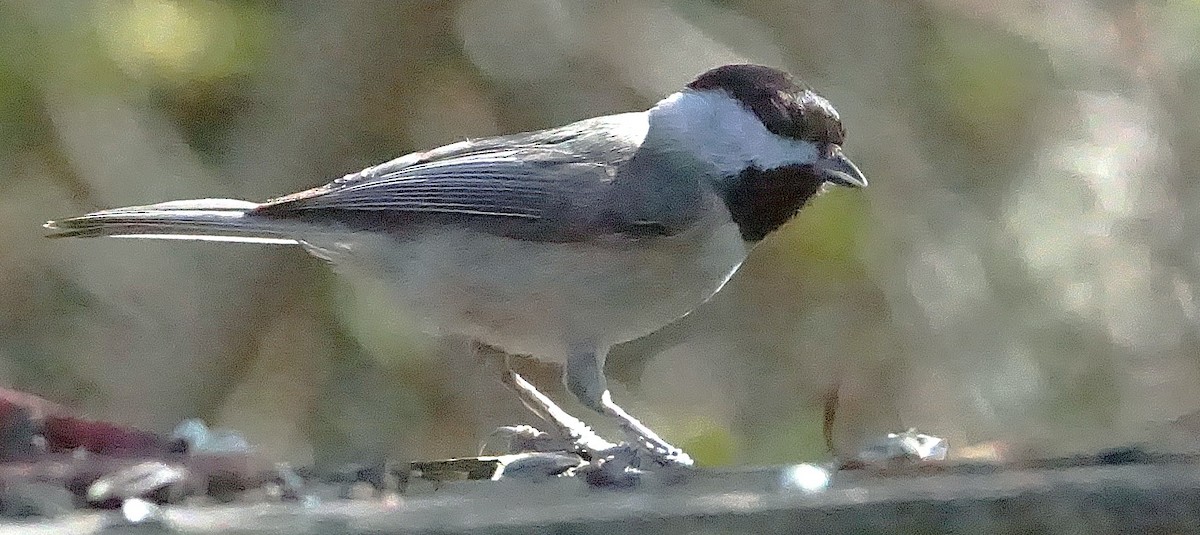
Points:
(644, 450)
(526, 439)
(616, 465)
(668, 457)
(655, 449)
(606, 464)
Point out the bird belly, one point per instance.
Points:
(546, 299)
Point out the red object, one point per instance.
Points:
(24, 416)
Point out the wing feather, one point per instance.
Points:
(527, 186)
(503, 182)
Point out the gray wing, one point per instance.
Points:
(526, 186)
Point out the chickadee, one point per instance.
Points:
(558, 243)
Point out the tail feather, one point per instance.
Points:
(198, 219)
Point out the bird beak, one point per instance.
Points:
(835, 167)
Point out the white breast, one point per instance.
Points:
(541, 298)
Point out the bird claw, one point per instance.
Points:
(661, 453)
(619, 466)
(526, 438)
(672, 457)
(606, 464)
(570, 434)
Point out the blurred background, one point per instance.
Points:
(1021, 276)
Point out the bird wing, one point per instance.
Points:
(502, 182)
(528, 187)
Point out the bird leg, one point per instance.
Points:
(577, 435)
(585, 379)
(661, 451)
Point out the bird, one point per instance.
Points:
(557, 243)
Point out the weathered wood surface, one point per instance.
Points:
(1131, 498)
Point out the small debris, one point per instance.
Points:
(538, 465)
(353, 476)
(139, 511)
(467, 468)
(291, 485)
(909, 446)
(152, 480)
(200, 439)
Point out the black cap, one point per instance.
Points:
(786, 107)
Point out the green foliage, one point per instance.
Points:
(710, 444)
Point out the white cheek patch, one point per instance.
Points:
(721, 130)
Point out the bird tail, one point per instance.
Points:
(198, 219)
